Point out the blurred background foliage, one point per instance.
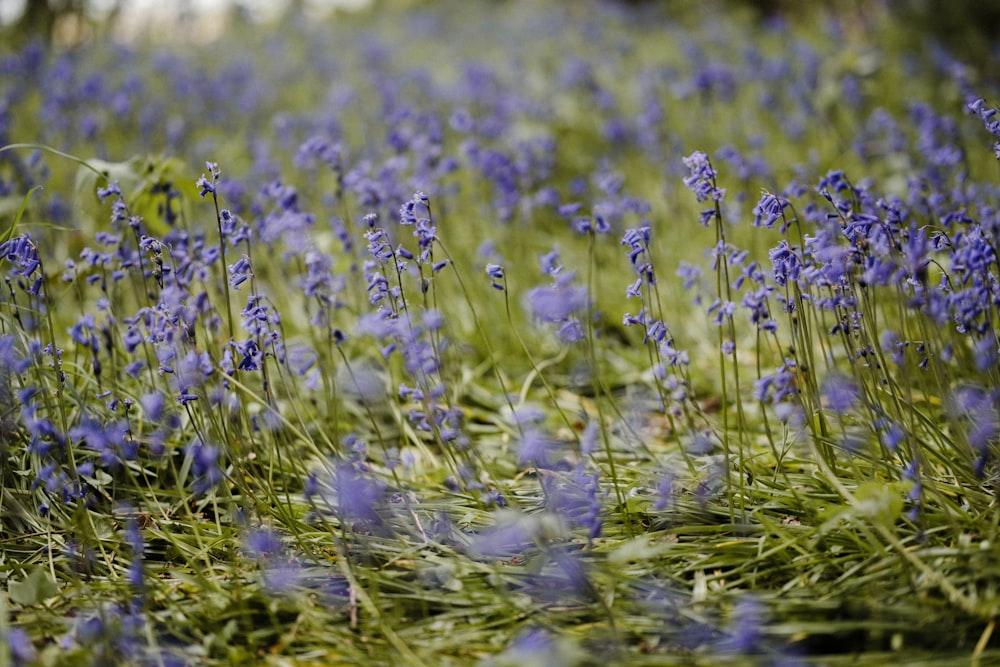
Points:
(969, 29)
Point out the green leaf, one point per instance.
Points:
(34, 588)
(881, 503)
(20, 213)
(638, 550)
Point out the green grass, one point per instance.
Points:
(629, 514)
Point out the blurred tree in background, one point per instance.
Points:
(49, 20)
(39, 17)
(969, 29)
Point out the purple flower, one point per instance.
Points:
(549, 262)
(82, 332)
(976, 408)
(21, 648)
(779, 386)
(577, 499)
(892, 435)
(193, 369)
(701, 180)
(378, 244)
(988, 115)
(840, 393)
(22, 252)
(786, 263)
(511, 534)
(760, 313)
(495, 272)
(152, 405)
(319, 148)
(251, 356)
(378, 285)
(769, 209)
(109, 441)
(665, 492)
(535, 448)
(259, 320)
(240, 272)
(536, 646)
(133, 537)
(417, 212)
(745, 629)
(556, 303)
(263, 543)
(353, 496)
(365, 382)
(528, 415)
(205, 466)
(205, 185)
(112, 189)
(571, 331)
(596, 224)
(689, 273)
(637, 243)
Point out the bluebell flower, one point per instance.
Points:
(107, 440)
(152, 405)
(22, 252)
(578, 499)
(756, 301)
(378, 285)
(133, 537)
(11, 359)
(769, 210)
(591, 224)
(259, 319)
(637, 242)
(975, 409)
(263, 543)
(722, 310)
(193, 370)
(496, 275)
(689, 273)
(535, 448)
(744, 632)
(780, 386)
(512, 533)
(840, 393)
(205, 466)
(892, 434)
(991, 121)
(205, 186)
(378, 243)
(549, 262)
(701, 180)
(240, 272)
(21, 648)
(556, 303)
(284, 220)
(786, 263)
(320, 148)
(133, 369)
(666, 490)
(354, 496)
(111, 190)
(251, 357)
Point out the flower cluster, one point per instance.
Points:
(221, 368)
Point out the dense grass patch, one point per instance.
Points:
(523, 334)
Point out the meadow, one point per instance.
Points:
(512, 333)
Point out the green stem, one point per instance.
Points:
(598, 386)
